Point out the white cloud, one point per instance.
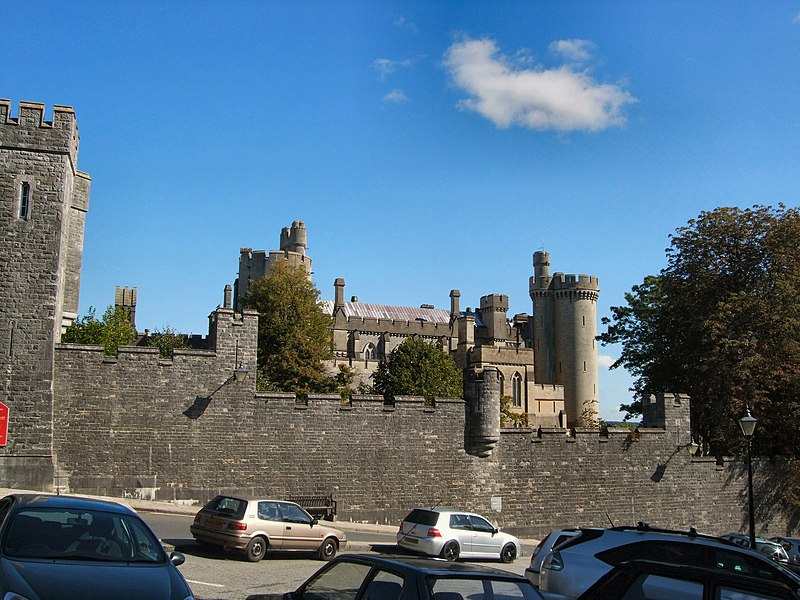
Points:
(604, 361)
(509, 93)
(386, 67)
(395, 97)
(573, 50)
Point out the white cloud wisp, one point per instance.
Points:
(561, 98)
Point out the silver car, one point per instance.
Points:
(255, 525)
(452, 534)
(553, 540)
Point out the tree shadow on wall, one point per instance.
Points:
(769, 495)
(198, 407)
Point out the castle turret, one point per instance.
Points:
(565, 337)
(493, 310)
(45, 199)
(482, 395)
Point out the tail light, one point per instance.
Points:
(197, 518)
(433, 532)
(237, 526)
(400, 530)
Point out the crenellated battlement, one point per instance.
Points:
(30, 131)
(575, 282)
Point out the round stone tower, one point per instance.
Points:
(565, 337)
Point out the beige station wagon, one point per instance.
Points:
(255, 525)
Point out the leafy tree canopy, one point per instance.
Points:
(294, 334)
(114, 330)
(418, 368)
(721, 322)
(167, 340)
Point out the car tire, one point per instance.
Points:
(450, 551)
(256, 549)
(328, 549)
(508, 554)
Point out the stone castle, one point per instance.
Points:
(191, 426)
(547, 363)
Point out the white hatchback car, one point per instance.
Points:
(452, 534)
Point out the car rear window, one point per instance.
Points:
(479, 588)
(658, 550)
(423, 517)
(225, 506)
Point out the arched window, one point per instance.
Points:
(369, 352)
(502, 384)
(516, 389)
(24, 201)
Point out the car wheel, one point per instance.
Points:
(509, 553)
(255, 549)
(450, 551)
(328, 549)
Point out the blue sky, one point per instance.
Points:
(428, 145)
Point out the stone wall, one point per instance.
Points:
(143, 426)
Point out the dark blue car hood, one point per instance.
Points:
(69, 580)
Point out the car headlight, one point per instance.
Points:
(13, 596)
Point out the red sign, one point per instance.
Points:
(3, 424)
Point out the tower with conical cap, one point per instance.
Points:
(565, 337)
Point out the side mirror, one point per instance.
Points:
(177, 558)
(314, 521)
(495, 530)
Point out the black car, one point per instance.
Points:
(68, 547)
(375, 577)
(652, 579)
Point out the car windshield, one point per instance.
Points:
(70, 534)
(479, 588)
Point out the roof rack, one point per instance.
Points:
(641, 526)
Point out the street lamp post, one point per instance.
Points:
(748, 425)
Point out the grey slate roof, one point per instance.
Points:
(386, 311)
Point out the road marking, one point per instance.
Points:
(204, 583)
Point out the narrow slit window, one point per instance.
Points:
(24, 201)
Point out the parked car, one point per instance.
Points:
(767, 547)
(376, 577)
(569, 570)
(67, 547)
(451, 534)
(552, 540)
(792, 547)
(652, 579)
(255, 525)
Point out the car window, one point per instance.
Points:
(727, 593)
(658, 550)
(561, 539)
(293, 513)
(225, 506)
(658, 587)
(456, 588)
(459, 522)
(741, 563)
(384, 586)
(268, 511)
(341, 582)
(480, 524)
(423, 517)
(4, 506)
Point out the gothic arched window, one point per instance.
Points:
(516, 389)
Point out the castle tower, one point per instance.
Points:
(43, 204)
(493, 311)
(255, 264)
(565, 331)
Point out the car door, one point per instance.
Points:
(298, 533)
(484, 540)
(271, 522)
(461, 529)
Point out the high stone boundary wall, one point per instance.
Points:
(143, 426)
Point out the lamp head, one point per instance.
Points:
(748, 424)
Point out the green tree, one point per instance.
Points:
(418, 368)
(113, 331)
(721, 322)
(167, 341)
(294, 335)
